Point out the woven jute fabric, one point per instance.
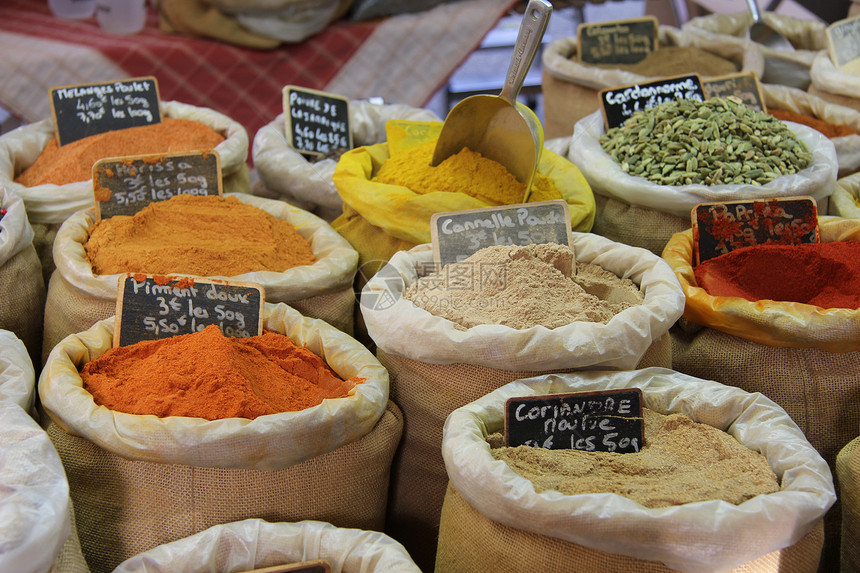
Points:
(71, 557)
(820, 390)
(69, 310)
(337, 309)
(634, 225)
(848, 480)
(427, 393)
(471, 543)
(124, 507)
(22, 299)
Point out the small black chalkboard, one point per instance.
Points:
(125, 185)
(315, 566)
(600, 421)
(317, 122)
(89, 109)
(722, 227)
(618, 41)
(151, 307)
(620, 103)
(744, 86)
(459, 234)
(843, 43)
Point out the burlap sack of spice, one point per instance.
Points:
(292, 177)
(491, 507)
(831, 83)
(805, 358)
(34, 494)
(799, 101)
(49, 205)
(22, 288)
(17, 377)
(77, 298)
(781, 67)
(638, 212)
(845, 201)
(436, 368)
(571, 88)
(380, 219)
(848, 480)
(139, 481)
(257, 544)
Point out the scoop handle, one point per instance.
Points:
(529, 38)
(754, 11)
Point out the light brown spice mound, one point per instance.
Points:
(74, 161)
(678, 60)
(201, 236)
(682, 461)
(523, 286)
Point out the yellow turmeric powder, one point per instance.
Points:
(466, 172)
(196, 235)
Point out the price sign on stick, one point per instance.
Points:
(843, 44)
(620, 103)
(459, 234)
(83, 110)
(125, 185)
(600, 421)
(724, 226)
(618, 41)
(317, 122)
(744, 86)
(151, 307)
(316, 566)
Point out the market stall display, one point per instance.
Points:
(219, 471)
(489, 505)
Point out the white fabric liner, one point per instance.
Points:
(703, 537)
(17, 376)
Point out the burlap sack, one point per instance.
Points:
(848, 480)
(435, 368)
(77, 298)
(594, 530)
(799, 101)
(781, 67)
(49, 205)
(638, 212)
(22, 288)
(571, 89)
(805, 358)
(257, 544)
(288, 175)
(832, 84)
(140, 481)
(34, 494)
(845, 201)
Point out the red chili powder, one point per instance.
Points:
(821, 274)
(208, 375)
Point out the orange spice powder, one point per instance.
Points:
(828, 129)
(196, 235)
(74, 161)
(208, 375)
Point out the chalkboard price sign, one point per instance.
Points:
(80, 111)
(315, 566)
(459, 234)
(600, 421)
(722, 227)
(125, 185)
(744, 86)
(317, 122)
(843, 43)
(151, 307)
(618, 41)
(620, 103)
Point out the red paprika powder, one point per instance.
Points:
(821, 274)
(208, 375)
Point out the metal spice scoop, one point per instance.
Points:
(761, 33)
(499, 127)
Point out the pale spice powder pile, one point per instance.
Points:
(523, 286)
(682, 461)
